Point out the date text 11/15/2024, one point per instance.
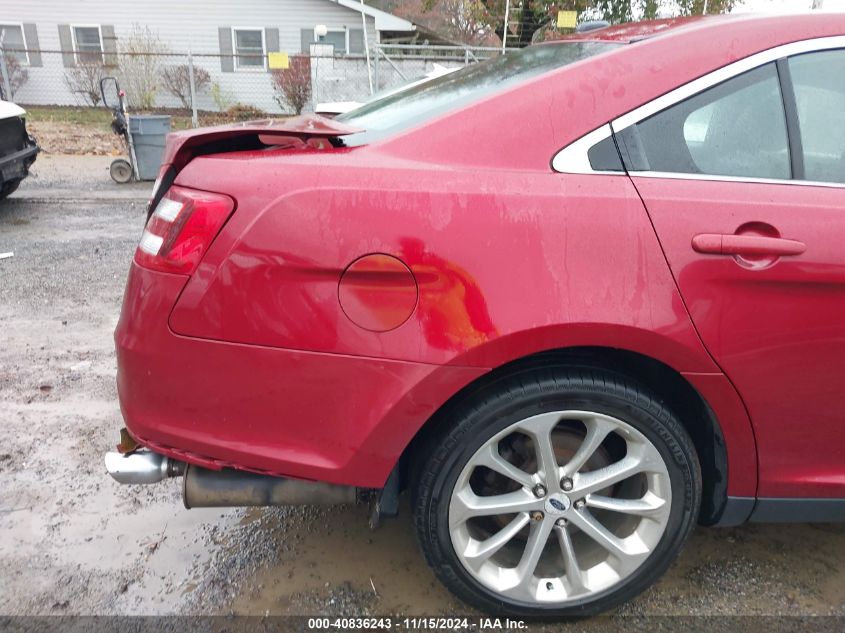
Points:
(416, 624)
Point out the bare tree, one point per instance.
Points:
(140, 65)
(699, 7)
(475, 21)
(84, 80)
(177, 81)
(292, 86)
(466, 21)
(462, 21)
(18, 75)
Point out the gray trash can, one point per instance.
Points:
(148, 133)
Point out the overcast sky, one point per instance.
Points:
(786, 6)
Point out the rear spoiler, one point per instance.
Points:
(302, 127)
(181, 147)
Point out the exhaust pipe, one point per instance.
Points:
(226, 488)
(204, 488)
(142, 467)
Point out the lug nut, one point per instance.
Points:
(580, 504)
(539, 490)
(537, 516)
(566, 484)
(560, 523)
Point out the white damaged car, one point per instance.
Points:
(17, 148)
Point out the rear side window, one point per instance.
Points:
(418, 104)
(737, 128)
(818, 80)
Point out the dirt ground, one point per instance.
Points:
(87, 131)
(68, 138)
(72, 541)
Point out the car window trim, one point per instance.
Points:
(746, 179)
(573, 158)
(790, 111)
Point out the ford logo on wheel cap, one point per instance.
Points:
(557, 504)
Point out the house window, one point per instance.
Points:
(338, 39)
(88, 44)
(249, 47)
(344, 41)
(14, 42)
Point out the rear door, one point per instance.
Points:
(743, 175)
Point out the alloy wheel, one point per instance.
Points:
(559, 506)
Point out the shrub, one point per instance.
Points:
(84, 80)
(140, 66)
(292, 86)
(222, 99)
(243, 112)
(177, 81)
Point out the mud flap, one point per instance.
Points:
(386, 503)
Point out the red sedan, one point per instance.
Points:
(574, 300)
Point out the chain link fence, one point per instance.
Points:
(213, 88)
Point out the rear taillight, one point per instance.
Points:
(181, 229)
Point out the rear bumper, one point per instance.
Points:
(328, 417)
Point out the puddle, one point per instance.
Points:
(331, 553)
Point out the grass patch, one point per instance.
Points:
(95, 117)
(180, 119)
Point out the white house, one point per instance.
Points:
(230, 40)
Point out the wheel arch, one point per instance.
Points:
(697, 416)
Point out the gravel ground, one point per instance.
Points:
(77, 177)
(72, 541)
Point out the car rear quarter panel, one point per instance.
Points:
(336, 418)
(508, 263)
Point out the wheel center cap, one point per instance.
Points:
(557, 503)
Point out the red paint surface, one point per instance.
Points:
(330, 417)
(774, 322)
(377, 292)
(253, 362)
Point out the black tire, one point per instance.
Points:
(120, 171)
(8, 188)
(471, 423)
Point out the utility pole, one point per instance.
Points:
(367, 48)
(193, 89)
(505, 32)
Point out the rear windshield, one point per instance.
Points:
(401, 110)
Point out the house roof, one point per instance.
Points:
(384, 21)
